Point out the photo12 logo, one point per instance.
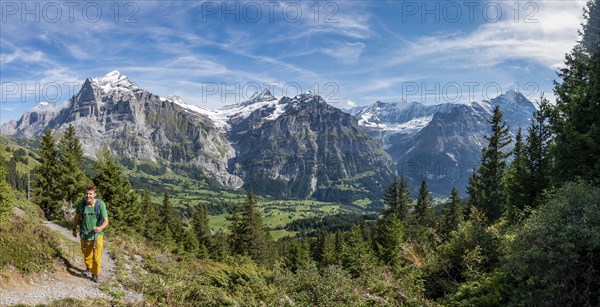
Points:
(233, 93)
(469, 11)
(68, 11)
(455, 92)
(52, 92)
(270, 11)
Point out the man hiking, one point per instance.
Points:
(91, 217)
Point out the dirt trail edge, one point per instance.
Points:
(65, 283)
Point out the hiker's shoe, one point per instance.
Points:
(86, 273)
(95, 278)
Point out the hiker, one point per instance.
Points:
(92, 218)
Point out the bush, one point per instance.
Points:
(554, 259)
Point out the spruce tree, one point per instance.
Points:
(6, 194)
(200, 224)
(537, 153)
(391, 237)
(297, 256)
(115, 190)
(46, 187)
(397, 199)
(356, 255)
(575, 119)
(190, 243)
(405, 201)
(452, 213)
(324, 251)
(517, 181)
(150, 216)
(486, 190)
(72, 176)
(391, 198)
(423, 209)
(250, 236)
(164, 235)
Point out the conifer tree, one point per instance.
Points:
(324, 251)
(297, 256)
(190, 243)
(486, 190)
(46, 187)
(423, 209)
(6, 194)
(397, 199)
(115, 190)
(200, 225)
(165, 235)
(72, 177)
(250, 236)
(356, 255)
(150, 214)
(452, 212)
(537, 153)
(575, 118)
(391, 237)
(219, 246)
(518, 181)
(405, 202)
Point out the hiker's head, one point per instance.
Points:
(90, 192)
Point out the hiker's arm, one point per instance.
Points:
(75, 223)
(101, 227)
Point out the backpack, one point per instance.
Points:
(99, 218)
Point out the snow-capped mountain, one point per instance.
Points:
(291, 147)
(441, 143)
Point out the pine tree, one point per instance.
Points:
(46, 187)
(115, 190)
(356, 255)
(190, 243)
(452, 212)
(517, 181)
(72, 177)
(423, 209)
(397, 199)
(405, 201)
(150, 214)
(250, 236)
(486, 190)
(391, 237)
(219, 246)
(324, 251)
(200, 225)
(297, 256)
(391, 198)
(164, 235)
(6, 194)
(575, 118)
(537, 153)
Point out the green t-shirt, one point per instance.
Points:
(89, 219)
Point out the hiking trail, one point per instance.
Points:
(66, 282)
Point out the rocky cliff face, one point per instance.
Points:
(440, 143)
(311, 150)
(112, 111)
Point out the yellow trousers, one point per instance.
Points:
(93, 256)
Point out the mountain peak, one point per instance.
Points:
(511, 97)
(113, 81)
(263, 95)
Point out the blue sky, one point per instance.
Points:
(350, 52)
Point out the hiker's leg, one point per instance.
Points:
(98, 255)
(87, 248)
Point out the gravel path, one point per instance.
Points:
(66, 282)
